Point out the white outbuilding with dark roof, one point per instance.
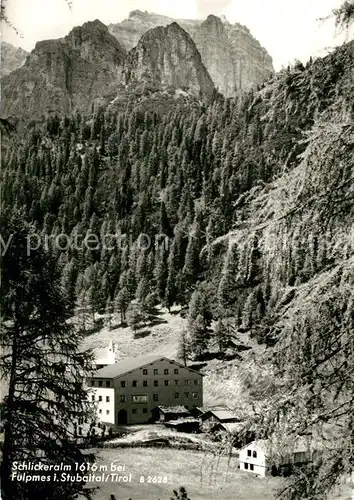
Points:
(259, 457)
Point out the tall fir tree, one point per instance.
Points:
(42, 365)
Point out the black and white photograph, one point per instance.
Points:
(177, 250)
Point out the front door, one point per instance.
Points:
(122, 417)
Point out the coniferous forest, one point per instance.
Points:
(239, 210)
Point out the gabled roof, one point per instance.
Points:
(299, 445)
(221, 415)
(231, 427)
(128, 365)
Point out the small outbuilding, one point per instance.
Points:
(258, 457)
(211, 418)
(186, 424)
(167, 413)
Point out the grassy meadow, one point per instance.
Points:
(204, 475)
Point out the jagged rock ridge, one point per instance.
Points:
(11, 58)
(64, 74)
(233, 57)
(167, 57)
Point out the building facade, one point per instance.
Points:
(259, 458)
(127, 392)
(253, 458)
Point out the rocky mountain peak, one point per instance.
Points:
(65, 74)
(95, 43)
(234, 59)
(212, 19)
(166, 56)
(11, 58)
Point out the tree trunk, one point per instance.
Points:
(7, 486)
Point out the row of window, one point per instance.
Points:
(155, 397)
(100, 383)
(156, 371)
(142, 398)
(156, 383)
(134, 410)
(145, 383)
(250, 454)
(100, 398)
(251, 466)
(100, 412)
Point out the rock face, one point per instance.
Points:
(233, 57)
(65, 74)
(11, 58)
(167, 57)
(129, 31)
(235, 60)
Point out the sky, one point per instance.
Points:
(288, 29)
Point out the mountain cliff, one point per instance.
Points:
(65, 74)
(167, 57)
(11, 58)
(233, 57)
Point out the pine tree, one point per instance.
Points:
(223, 334)
(228, 291)
(109, 313)
(199, 335)
(43, 367)
(184, 347)
(122, 302)
(135, 316)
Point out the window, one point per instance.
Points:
(145, 410)
(156, 383)
(122, 384)
(108, 383)
(166, 382)
(107, 412)
(145, 372)
(100, 383)
(246, 466)
(100, 411)
(254, 454)
(145, 383)
(122, 399)
(99, 398)
(141, 398)
(134, 410)
(156, 371)
(249, 453)
(195, 382)
(134, 383)
(107, 399)
(155, 397)
(195, 395)
(93, 383)
(176, 395)
(175, 371)
(166, 371)
(93, 398)
(186, 382)
(176, 382)
(186, 395)
(251, 467)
